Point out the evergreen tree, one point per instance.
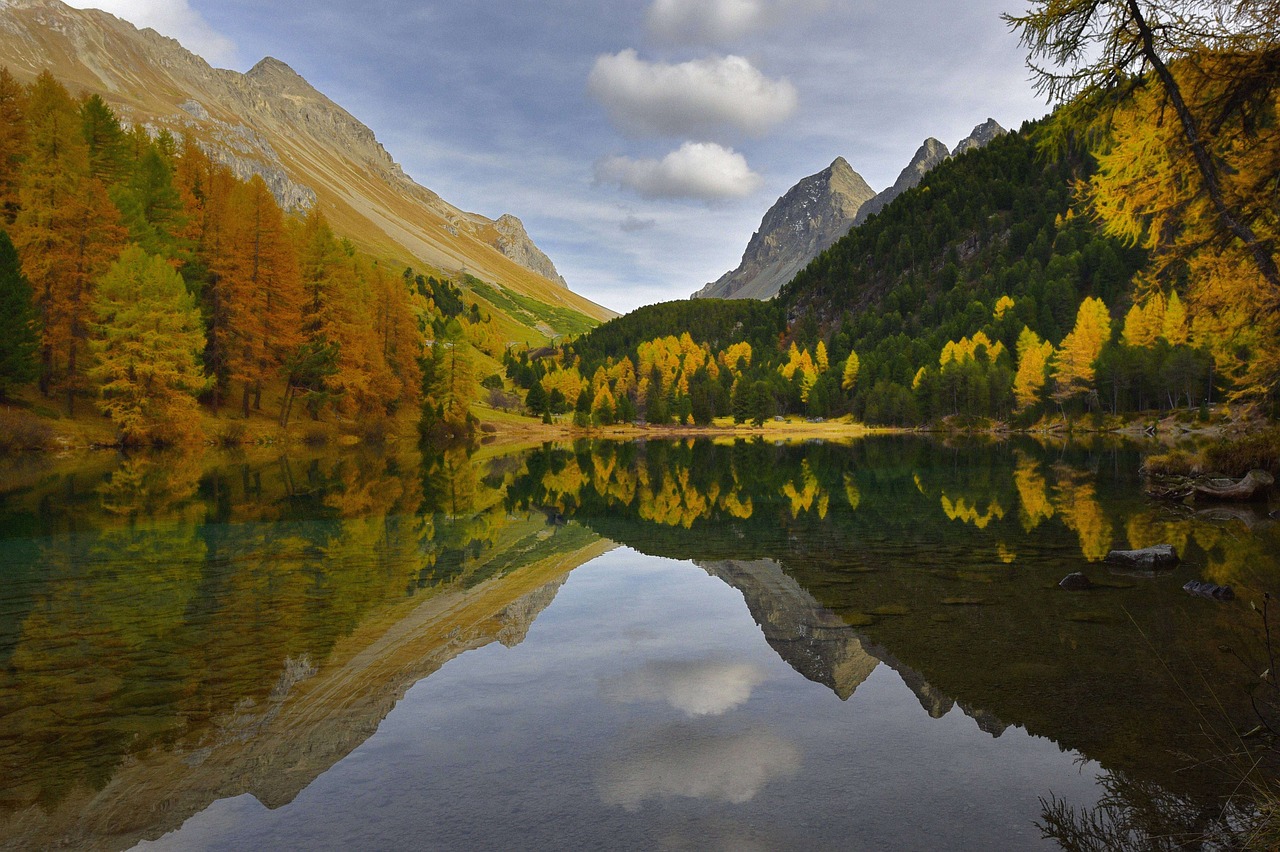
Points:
(18, 339)
(14, 138)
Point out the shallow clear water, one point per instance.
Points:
(674, 645)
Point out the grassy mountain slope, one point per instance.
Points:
(271, 122)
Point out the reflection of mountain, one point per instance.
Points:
(317, 713)
(810, 638)
(820, 645)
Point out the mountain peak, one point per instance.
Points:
(981, 136)
(271, 65)
(805, 221)
(280, 78)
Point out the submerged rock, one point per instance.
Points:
(1076, 582)
(1212, 591)
(1145, 559)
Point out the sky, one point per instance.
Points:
(640, 141)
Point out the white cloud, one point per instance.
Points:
(697, 688)
(173, 18)
(701, 170)
(720, 21)
(697, 98)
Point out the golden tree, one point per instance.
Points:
(1185, 93)
(66, 233)
(1073, 363)
(850, 376)
(146, 344)
(1033, 368)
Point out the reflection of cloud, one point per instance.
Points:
(698, 688)
(678, 762)
(698, 97)
(701, 170)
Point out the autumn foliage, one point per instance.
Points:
(156, 279)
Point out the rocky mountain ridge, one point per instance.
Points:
(811, 216)
(818, 211)
(271, 122)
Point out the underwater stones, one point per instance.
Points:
(1076, 582)
(1212, 591)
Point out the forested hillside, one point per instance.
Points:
(1001, 287)
(143, 279)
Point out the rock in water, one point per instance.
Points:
(1146, 559)
(1212, 591)
(1076, 582)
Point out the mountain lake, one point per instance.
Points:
(689, 644)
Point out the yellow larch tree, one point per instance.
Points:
(1073, 363)
(1034, 355)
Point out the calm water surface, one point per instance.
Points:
(663, 645)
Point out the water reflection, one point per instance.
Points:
(173, 632)
(678, 761)
(176, 630)
(695, 687)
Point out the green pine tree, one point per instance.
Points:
(18, 340)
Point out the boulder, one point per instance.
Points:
(1076, 582)
(1147, 559)
(1212, 591)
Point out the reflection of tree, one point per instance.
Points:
(1032, 492)
(1140, 815)
(1077, 504)
(152, 484)
(451, 482)
(969, 514)
(809, 493)
(851, 492)
(1233, 553)
(165, 598)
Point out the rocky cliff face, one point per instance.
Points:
(926, 159)
(803, 223)
(515, 243)
(818, 211)
(984, 134)
(272, 122)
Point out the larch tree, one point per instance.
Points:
(1034, 355)
(850, 376)
(264, 292)
(66, 233)
(146, 345)
(454, 385)
(1185, 96)
(1073, 363)
(1210, 65)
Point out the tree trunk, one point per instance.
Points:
(1262, 258)
(1254, 486)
